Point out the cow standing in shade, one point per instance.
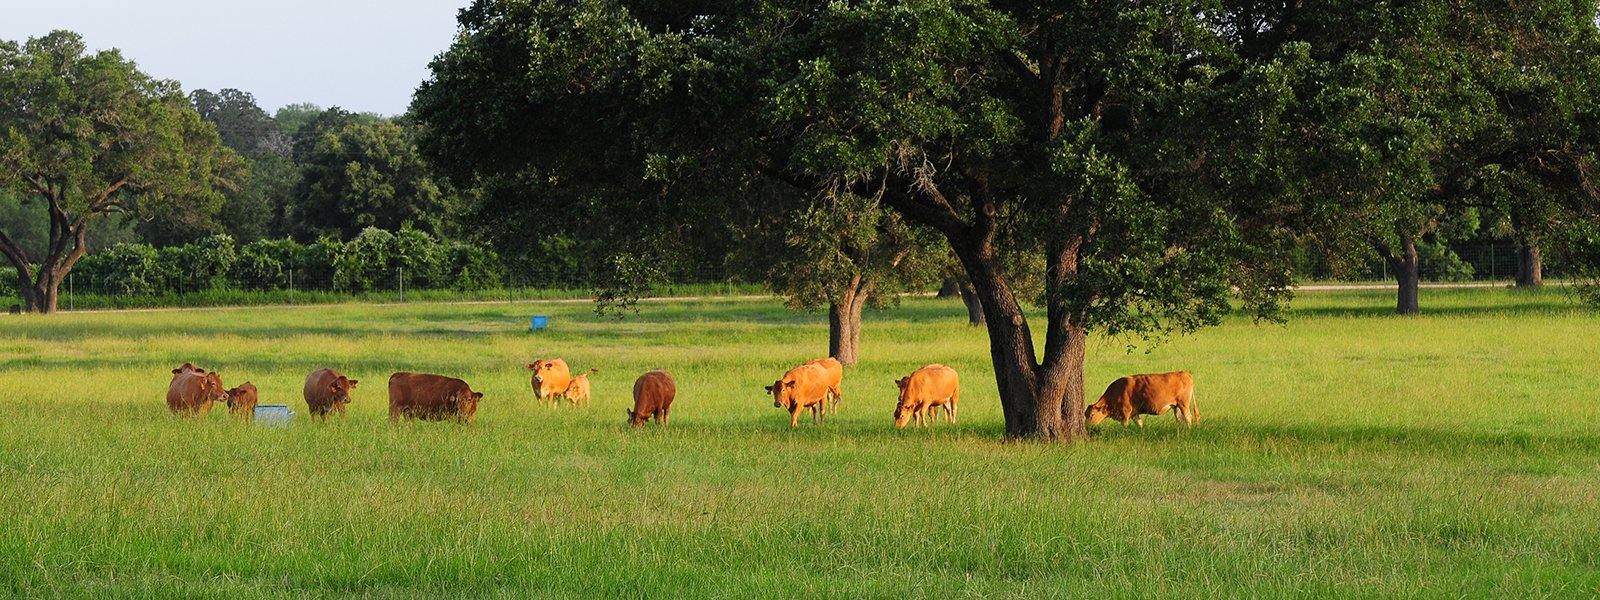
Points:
(242, 402)
(1134, 396)
(431, 398)
(932, 386)
(326, 391)
(193, 390)
(803, 387)
(653, 393)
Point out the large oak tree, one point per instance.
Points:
(89, 135)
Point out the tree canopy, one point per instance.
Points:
(88, 135)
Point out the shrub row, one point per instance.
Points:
(374, 260)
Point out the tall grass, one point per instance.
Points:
(1349, 453)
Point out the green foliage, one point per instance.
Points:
(475, 268)
(266, 264)
(367, 174)
(125, 269)
(202, 265)
(364, 262)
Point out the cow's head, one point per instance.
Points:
(902, 409)
(211, 387)
(1096, 413)
(782, 392)
(467, 404)
(633, 418)
(188, 368)
(340, 388)
(541, 371)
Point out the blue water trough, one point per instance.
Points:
(538, 322)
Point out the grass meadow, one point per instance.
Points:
(1349, 453)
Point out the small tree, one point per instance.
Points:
(90, 135)
(848, 253)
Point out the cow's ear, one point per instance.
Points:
(788, 383)
(532, 366)
(477, 395)
(177, 371)
(769, 388)
(353, 382)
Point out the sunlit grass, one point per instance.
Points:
(1349, 453)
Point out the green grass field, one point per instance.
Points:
(1349, 453)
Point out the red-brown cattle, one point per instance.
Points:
(431, 398)
(242, 402)
(835, 371)
(803, 387)
(929, 387)
(193, 390)
(551, 377)
(652, 397)
(1134, 396)
(326, 391)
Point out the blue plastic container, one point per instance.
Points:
(538, 322)
(273, 415)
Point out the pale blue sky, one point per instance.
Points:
(363, 55)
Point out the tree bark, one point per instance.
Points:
(1530, 265)
(844, 322)
(1406, 265)
(950, 287)
(969, 297)
(1039, 400)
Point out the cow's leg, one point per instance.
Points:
(1139, 420)
(794, 415)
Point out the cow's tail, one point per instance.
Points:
(592, 371)
(1194, 407)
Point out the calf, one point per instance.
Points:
(835, 371)
(1134, 396)
(929, 387)
(578, 391)
(193, 390)
(431, 398)
(652, 397)
(242, 402)
(805, 386)
(326, 391)
(551, 377)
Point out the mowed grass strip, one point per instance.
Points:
(1349, 453)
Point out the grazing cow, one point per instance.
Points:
(242, 402)
(577, 392)
(835, 371)
(550, 379)
(1135, 396)
(929, 387)
(652, 397)
(805, 386)
(431, 398)
(326, 391)
(193, 390)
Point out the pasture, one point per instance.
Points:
(1349, 453)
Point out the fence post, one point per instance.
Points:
(291, 282)
(402, 271)
(1491, 260)
(72, 299)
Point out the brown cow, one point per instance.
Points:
(805, 386)
(550, 379)
(1134, 396)
(431, 398)
(242, 402)
(652, 397)
(835, 371)
(193, 390)
(577, 392)
(326, 391)
(929, 387)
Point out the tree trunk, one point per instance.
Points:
(1407, 274)
(844, 323)
(969, 297)
(1530, 265)
(950, 287)
(1039, 401)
